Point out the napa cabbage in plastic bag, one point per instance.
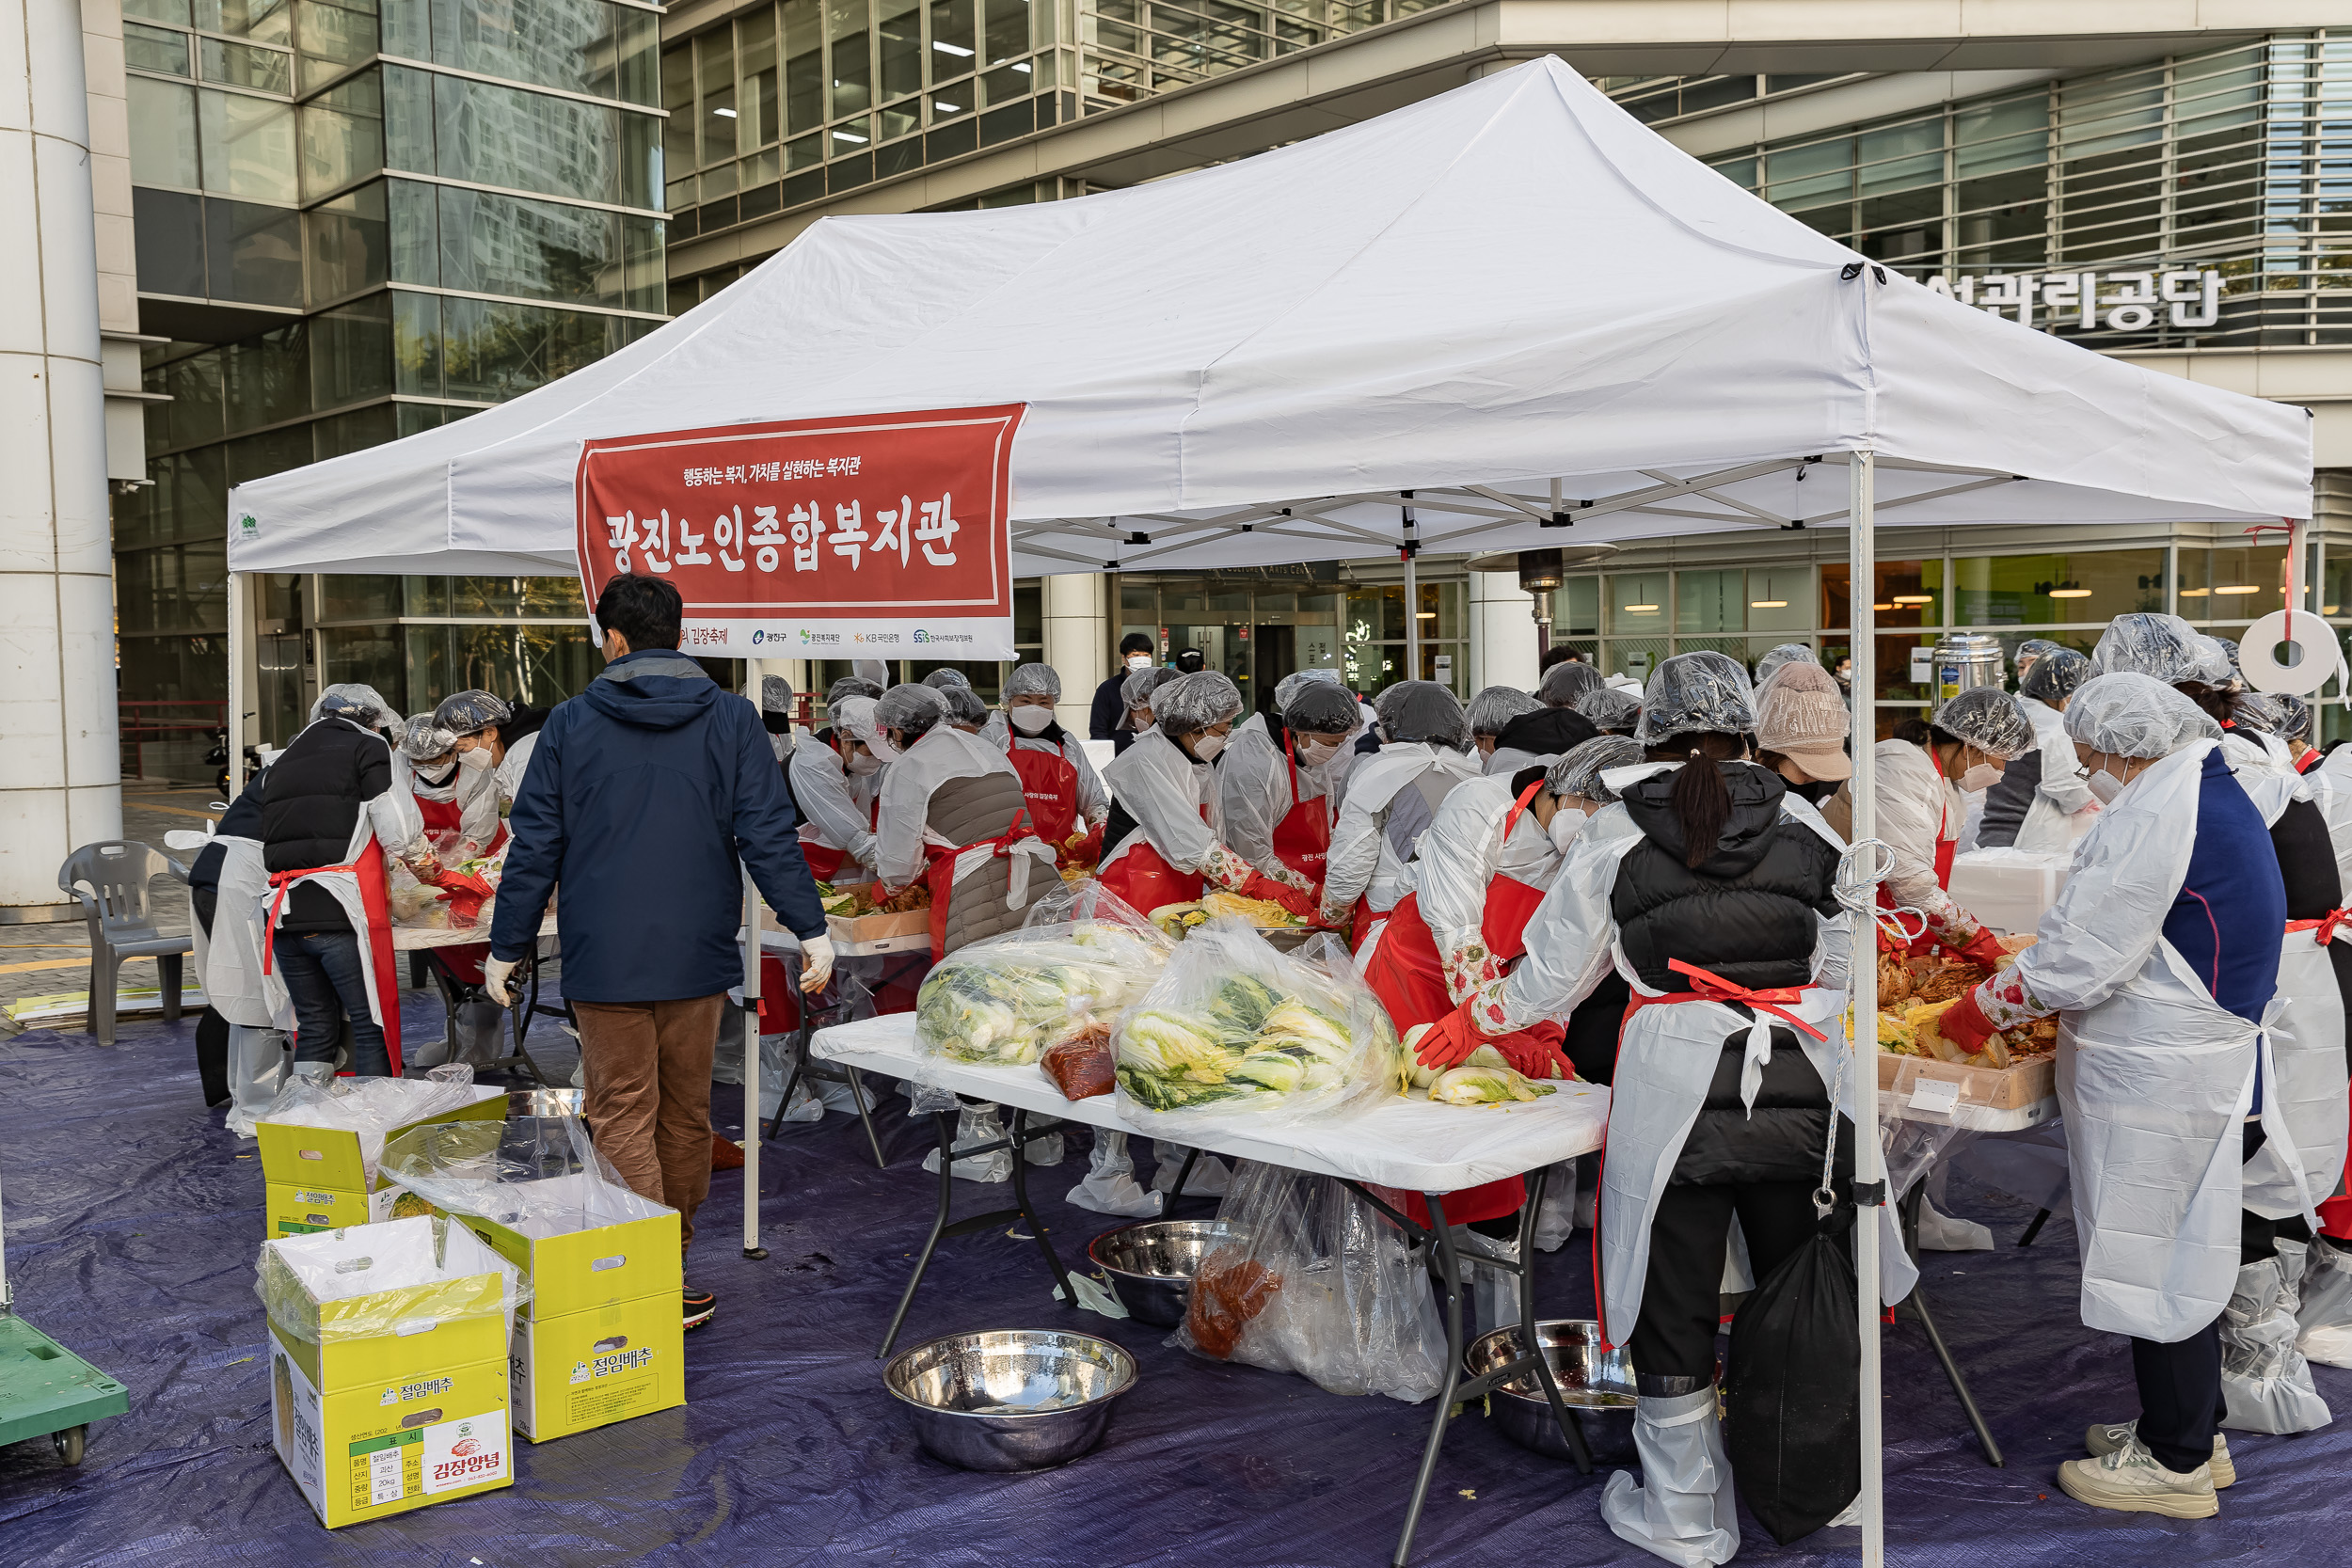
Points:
(1080, 957)
(1232, 1029)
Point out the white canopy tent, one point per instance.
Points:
(1511, 312)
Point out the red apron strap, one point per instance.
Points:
(280, 881)
(1707, 987)
(2328, 927)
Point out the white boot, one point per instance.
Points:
(257, 1070)
(979, 1124)
(1682, 1508)
(1556, 1220)
(2323, 1310)
(1950, 1233)
(2265, 1383)
(1209, 1179)
(1110, 1187)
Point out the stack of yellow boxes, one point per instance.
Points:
(603, 1339)
(318, 1178)
(388, 1366)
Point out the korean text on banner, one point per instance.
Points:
(864, 537)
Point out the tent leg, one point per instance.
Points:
(1869, 1173)
(751, 1069)
(239, 632)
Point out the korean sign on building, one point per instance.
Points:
(2087, 301)
(871, 537)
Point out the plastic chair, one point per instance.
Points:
(109, 881)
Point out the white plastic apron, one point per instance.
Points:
(344, 885)
(2304, 1088)
(1666, 1058)
(2154, 1083)
(229, 961)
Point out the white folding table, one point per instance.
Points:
(1397, 1142)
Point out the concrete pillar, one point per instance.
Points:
(1077, 642)
(60, 769)
(1501, 632)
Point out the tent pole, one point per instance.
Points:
(751, 1068)
(239, 631)
(1412, 599)
(1869, 1168)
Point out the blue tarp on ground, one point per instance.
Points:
(133, 1221)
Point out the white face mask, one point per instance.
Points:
(2105, 787)
(478, 758)
(1029, 718)
(1315, 753)
(863, 763)
(1207, 747)
(882, 750)
(1138, 662)
(1566, 823)
(1984, 775)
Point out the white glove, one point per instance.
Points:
(494, 974)
(816, 963)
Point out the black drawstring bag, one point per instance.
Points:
(1792, 1424)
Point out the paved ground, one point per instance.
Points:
(45, 959)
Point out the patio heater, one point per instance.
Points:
(1540, 573)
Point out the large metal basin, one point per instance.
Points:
(1596, 1385)
(1010, 1400)
(1152, 1264)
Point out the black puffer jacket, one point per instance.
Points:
(311, 798)
(1747, 914)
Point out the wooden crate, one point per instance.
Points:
(2008, 1088)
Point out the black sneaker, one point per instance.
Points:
(700, 1306)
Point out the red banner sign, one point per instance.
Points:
(871, 537)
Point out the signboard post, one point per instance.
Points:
(869, 536)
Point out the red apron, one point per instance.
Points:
(368, 871)
(1050, 784)
(1302, 839)
(1407, 973)
(464, 962)
(1142, 876)
(940, 872)
(779, 1003)
(1945, 849)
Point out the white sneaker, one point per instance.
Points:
(2129, 1480)
(2104, 1439)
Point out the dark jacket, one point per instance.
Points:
(642, 794)
(1748, 914)
(242, 820)
(1110, 706)
(311, 798)
(2008, 801)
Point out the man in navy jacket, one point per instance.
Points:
(643, 794)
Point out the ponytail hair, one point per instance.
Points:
(1700, 800)
(2218, 703)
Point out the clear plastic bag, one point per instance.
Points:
(372, 1107)
(1079, 958)
(1315, 1281)
(1234, 1030)
(304, 1281)
(542, 1178)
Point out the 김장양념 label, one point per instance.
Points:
(465, 1452)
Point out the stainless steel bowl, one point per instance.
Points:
(545, 1102)
(1596, 1385)
(1011, 1399)
(1152, 1265)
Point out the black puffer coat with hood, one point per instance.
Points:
(1748, 914)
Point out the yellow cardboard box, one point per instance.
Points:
(316, 1158)
(603, 1339)
(306, 1210)
(591, 1369)
(385, 1399)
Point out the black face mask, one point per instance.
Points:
(776, 723)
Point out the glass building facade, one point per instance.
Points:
(2066, 205)
(785, 104)
(357, 219)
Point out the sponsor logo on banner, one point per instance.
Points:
(886, 531)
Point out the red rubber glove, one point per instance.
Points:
(1964, 1025)
(1260, 885)
(1984, 949)
(1535, 1052)
(1086, 851)
(464, 893)
(1448, 1041)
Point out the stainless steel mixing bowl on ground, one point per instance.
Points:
(1012, 1399)
(1596, 1385)
(1152, 1264)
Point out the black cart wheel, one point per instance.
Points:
(68, 1443)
